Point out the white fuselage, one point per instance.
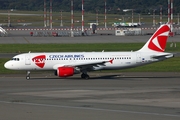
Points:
(51, 61)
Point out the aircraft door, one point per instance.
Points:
(138, 58)
(27, 60)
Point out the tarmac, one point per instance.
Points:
(106, 96)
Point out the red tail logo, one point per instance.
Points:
(39, 60)
(158, 40)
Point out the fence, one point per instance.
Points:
(59, 33)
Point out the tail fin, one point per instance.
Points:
(158, 40)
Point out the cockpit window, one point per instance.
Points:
(15, 59)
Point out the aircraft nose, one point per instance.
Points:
(8, 65)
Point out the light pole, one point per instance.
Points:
(139, 19)
(45, 16)
(123, 19)
(161, 14)
(178, 19)
(72, 18)
(132, 17)
(154, 21)
(82, 18)
(9, 19)
(97, 17)
(50, 14)
(61, 18)
(105, 17)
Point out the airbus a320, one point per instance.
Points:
(65, 64)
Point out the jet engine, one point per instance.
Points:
(65, 71)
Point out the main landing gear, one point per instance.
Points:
(28, 75)
(84, 76)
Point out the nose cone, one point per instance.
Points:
(8, 65)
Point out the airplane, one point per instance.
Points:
(65, 64)
(3, 30)
(24, 24)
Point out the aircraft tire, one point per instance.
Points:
(84, 76)
(27, 77)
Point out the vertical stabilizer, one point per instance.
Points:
(158, 40)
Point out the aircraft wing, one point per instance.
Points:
(84, 65)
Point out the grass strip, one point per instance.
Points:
(21, 48)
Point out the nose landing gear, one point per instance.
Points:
(28, 75)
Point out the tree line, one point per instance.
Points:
(112, 6)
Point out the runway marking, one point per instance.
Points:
(26, 40)
(95, 109)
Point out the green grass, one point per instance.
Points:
(20, 48)
(170, 65)
(16, 48)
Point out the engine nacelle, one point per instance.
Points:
(65, 71)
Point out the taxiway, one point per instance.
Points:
(106, 96)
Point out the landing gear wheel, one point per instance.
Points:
(27, 77)
(87, 77)
(84, 76)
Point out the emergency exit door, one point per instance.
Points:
(27, 60)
